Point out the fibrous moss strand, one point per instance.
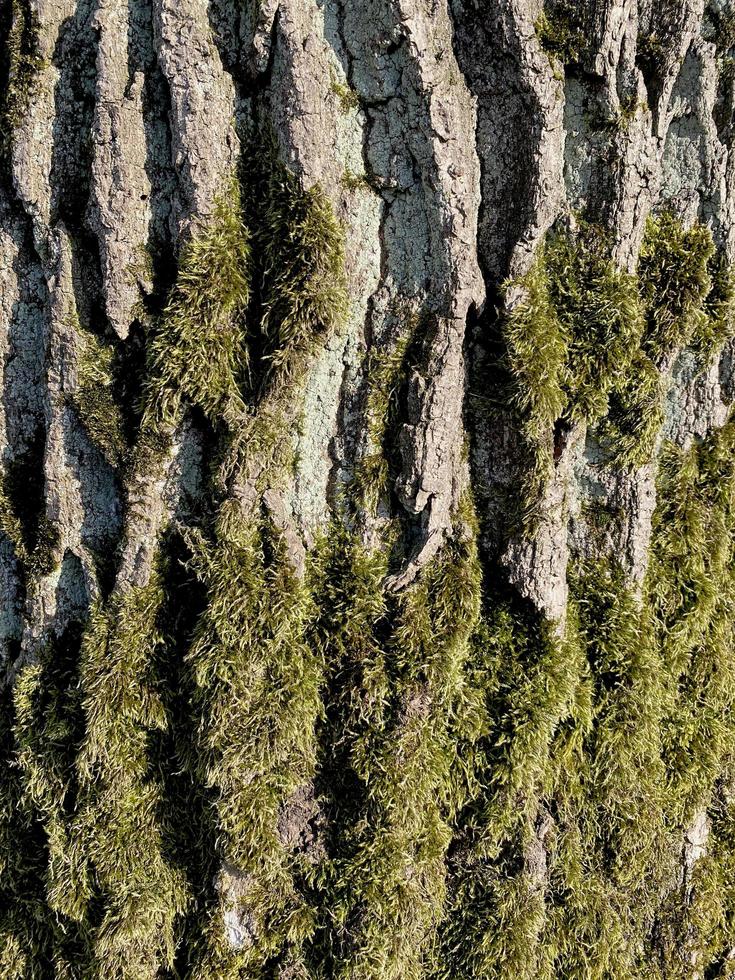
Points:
(121, 819)
(402, 702)
(22, 509)
(47, 732)
(674, 274)
(627, 746)
(256, 675)
(26, 943)
(560, 32)
(94, 396)
(606, 336)
(527, 680)
(385, 374)
(21, 63)
(257, 681)
(199, 352)
(299, 284)
(570, 341)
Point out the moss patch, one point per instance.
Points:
(94, 397)
(21, 63)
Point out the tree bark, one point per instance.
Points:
(367, 489)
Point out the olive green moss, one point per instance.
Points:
(597, 753)
(386, 372)
(569, 340)
(298, 249)
(560, 32)
(21, 63)
(23, 518)
(398, 704)
(94, 396)
(199, 352)
(608, 338)
(25, 937)
(347, 97)
(257, 683)
(488, 795)
(121, 819)
(673, 270)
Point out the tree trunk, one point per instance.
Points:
(367, 490)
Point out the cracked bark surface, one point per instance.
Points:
(450, 139)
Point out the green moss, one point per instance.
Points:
(257, 682)
(607, 335)
(631, 427)
(528, 679)
(347, 97)
(399, 670)
(560, 33)
(385, 375)
(605, 747)
(299, 253)
(22, 511)
(719, 306)
(354, 182)
(94, 397)
(22, 64)
(10, 524)
(199, 352)
(121, 819)
(569, 342)
(675, 281)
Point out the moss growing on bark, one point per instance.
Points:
(560, 32)
(121, 818)
(621, 739)
(570, 341)
(398, 704)
(21, 64)
(94, 396)
(675, 280)
(299, 264)
(199, 353)
(386, 373)
(257, 682)
(589, 343)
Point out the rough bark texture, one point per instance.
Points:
(367, 489)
